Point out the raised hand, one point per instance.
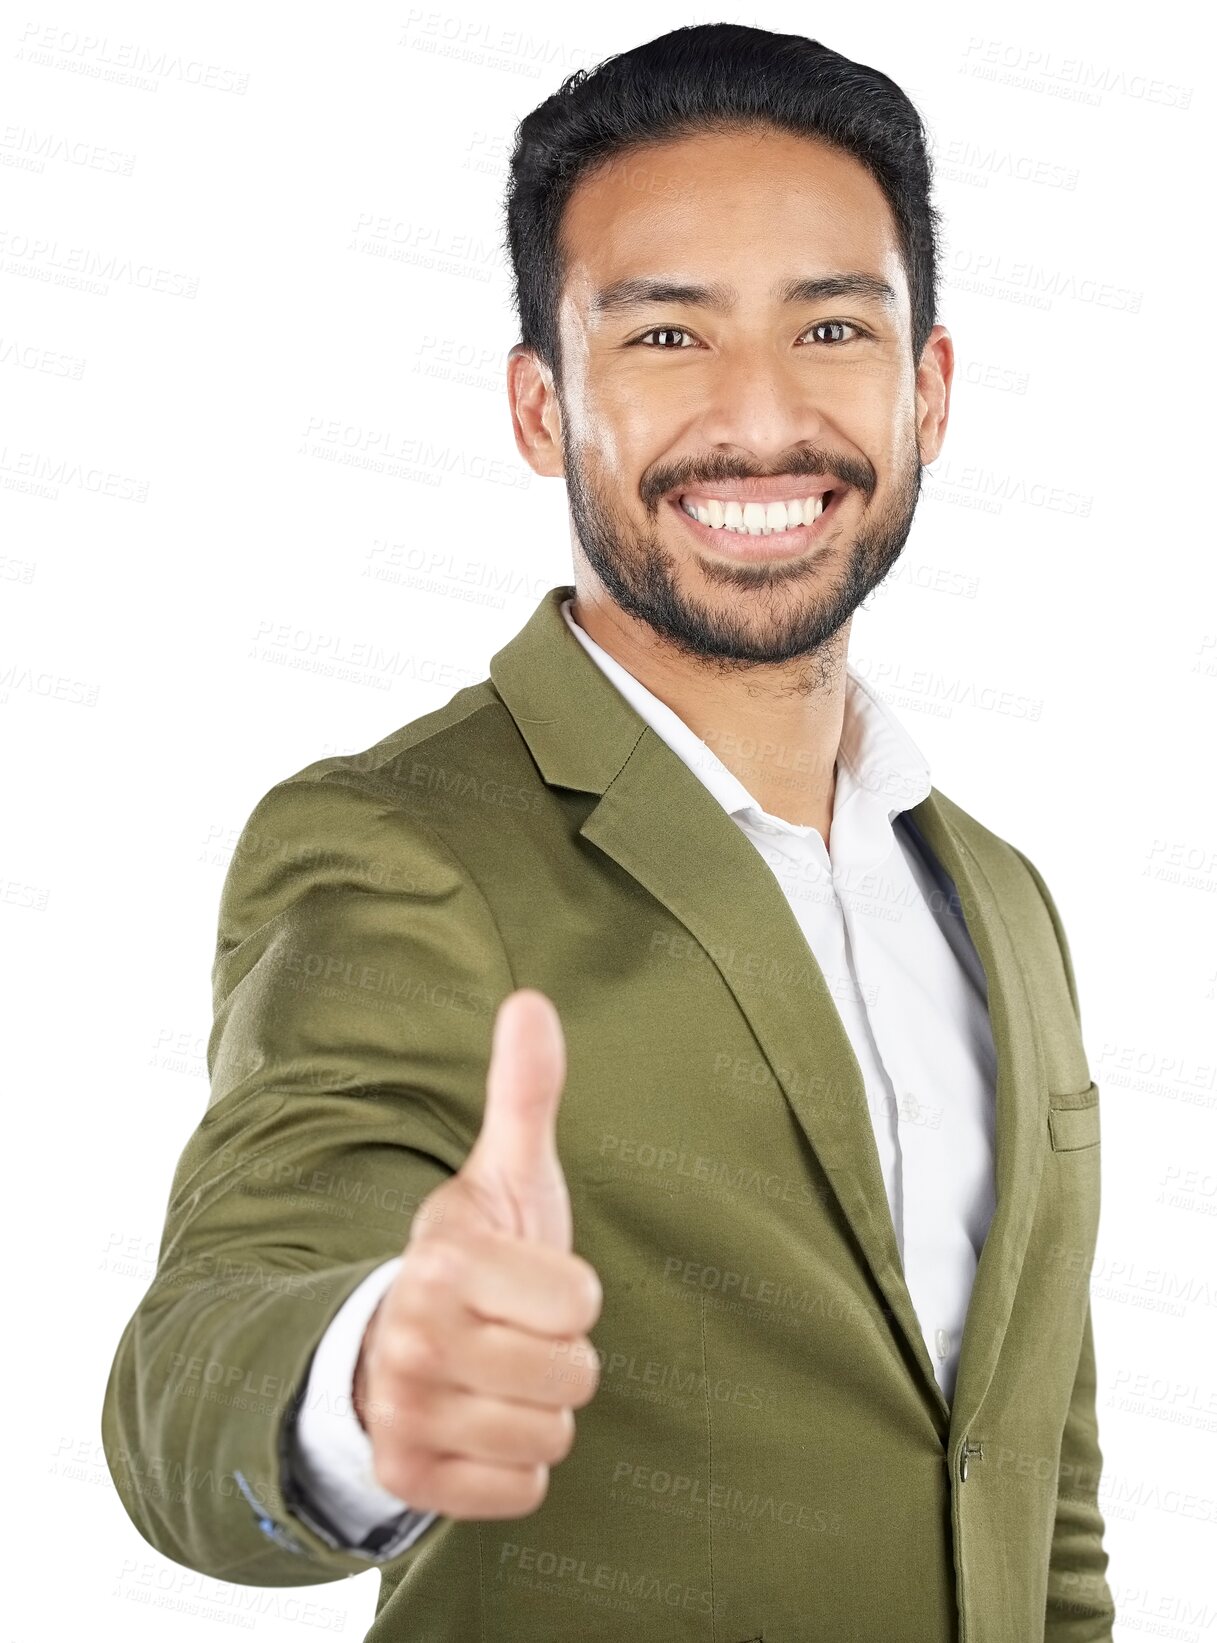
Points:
(477, 1356)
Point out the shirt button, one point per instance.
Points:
(942, 1342)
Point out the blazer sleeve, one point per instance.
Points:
(358, 969)
(1080, 1605)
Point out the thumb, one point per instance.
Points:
(516, 1152)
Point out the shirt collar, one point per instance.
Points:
(880, 769)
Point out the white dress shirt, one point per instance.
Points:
(883, 922)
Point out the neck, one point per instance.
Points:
(776, 727)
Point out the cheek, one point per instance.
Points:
(884, 431)
(871, 404)
(627, 435)
(650, 407)
(595, 436)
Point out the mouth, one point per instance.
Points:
(759, 531)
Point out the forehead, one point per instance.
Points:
(704, 206)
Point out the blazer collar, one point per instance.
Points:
(881, 770)
(656, 820)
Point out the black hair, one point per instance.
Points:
(712, 77)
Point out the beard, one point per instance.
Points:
(783, 610)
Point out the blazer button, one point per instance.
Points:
(969, 1448)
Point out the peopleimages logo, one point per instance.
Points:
(1075, 79)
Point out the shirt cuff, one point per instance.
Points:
(330, 1454)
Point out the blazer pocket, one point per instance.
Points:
(1073, 1119)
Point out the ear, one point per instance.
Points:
(934, 373)
(536, 419)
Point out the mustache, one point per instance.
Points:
(718, 470)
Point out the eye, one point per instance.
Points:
(836, 325)
(669, 331)
(664, 331)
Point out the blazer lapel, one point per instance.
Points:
(1022, 1103)
(657, 821)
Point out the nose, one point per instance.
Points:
(758, 402)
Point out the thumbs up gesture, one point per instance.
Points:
(474, 1361)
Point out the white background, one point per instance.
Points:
(290, 231)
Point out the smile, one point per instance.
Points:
(758, 530)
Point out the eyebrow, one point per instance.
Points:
(637, 293)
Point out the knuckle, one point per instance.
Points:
(418, 1351)
(436, 1264)
(533, 1489)
(589, 1293)
(561, 1437)
(589, 1377)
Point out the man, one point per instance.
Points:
(658, 943)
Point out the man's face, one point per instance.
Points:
(665, 396)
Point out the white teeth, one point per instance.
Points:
(755, 518)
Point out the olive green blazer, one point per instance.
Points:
(768, 1454)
